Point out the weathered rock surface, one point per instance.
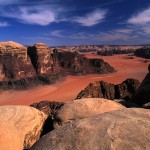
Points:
(20, 127)
(39, 64)
(50, 109)
(47, 107)
(102, 89)
(123, 129)
(78, 64)
(84, 108)
(41, 58)
(14, 62)
(142, 95)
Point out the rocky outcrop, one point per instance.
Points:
(102, 89)
(143, 52)
(142, 95)
(20, 127)
(39, 64)
(115, 51)
(50, 109)
(41, 58)
(121, 129)
(78, 64)
(79, 109)
(14, 62)
(47, 107)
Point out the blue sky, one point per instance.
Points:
(75, 22)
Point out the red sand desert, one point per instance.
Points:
(68, 89)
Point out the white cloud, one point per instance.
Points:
(92, 18)
(32, 15)
(141, 18)
(4, 24)
(57, 33)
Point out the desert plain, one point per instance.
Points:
(67, 89)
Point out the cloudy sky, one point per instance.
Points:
(75, 22)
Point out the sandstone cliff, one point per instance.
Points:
(22, 67)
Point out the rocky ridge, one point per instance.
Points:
(39, 64)
(101, 89)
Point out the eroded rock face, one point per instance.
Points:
(102, 89)
(39, 64)
(41, 58)
(20, 127)
(78, 64)
(47, 107)
(84, 108)
(14, 62)
(142, 95)
(122, 129)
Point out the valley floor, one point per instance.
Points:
(68, 89)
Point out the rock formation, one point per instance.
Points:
(20, 127)
(142, 95)
(14, 62)
(121, 129)
(78, 64)
(83, 108)
(50, 109)
(38, 64)
(47, 107)
(143, 52)
(102, 89)
(41, 58)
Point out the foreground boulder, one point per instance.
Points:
(142, 95)
(101, 89)
(122, 129)
(20, 127)
(84, 108)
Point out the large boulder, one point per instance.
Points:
(123, 129)
(20, 127)
(84, 108)
(142, 95)
(101, 89)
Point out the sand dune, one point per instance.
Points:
(68, 89)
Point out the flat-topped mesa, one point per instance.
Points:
(76, 63)
(41, 58)
(14, 62)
